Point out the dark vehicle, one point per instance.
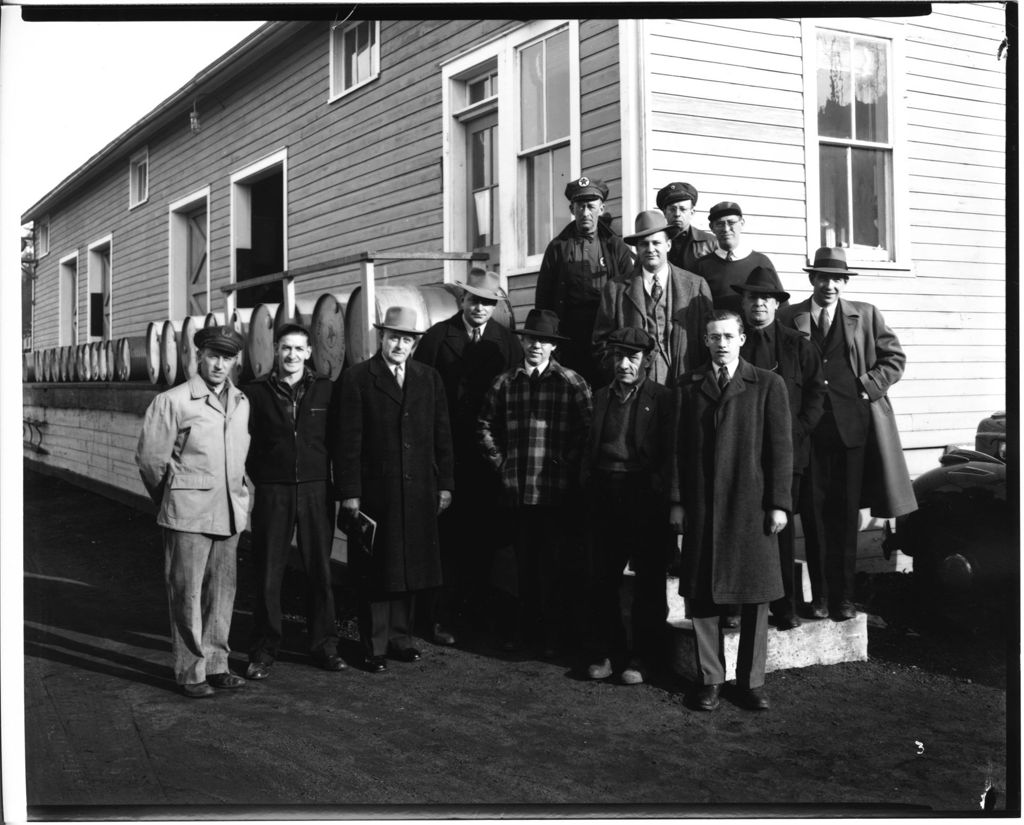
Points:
(960, 537)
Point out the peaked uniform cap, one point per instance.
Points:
(762, 281)
(830, 260)
(676, 192)
(223, 339)
(401, 319)
(648, 223)
(586, 189)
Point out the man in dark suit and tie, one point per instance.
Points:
(786, 352)
(393, 462)
(861, 358)
(469, 350)
(625, 476)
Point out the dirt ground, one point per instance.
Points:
(468, 731)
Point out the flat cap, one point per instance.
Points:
(586, 189)
(720, 210)
(676, 192)
(630, 339)
(223, 339)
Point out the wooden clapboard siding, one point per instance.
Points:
(600, 132)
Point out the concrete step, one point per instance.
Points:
(815, 642)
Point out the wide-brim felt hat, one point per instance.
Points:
(649, 223)
(401, 319)
(543, 324)
(762, 281)
(223, 339)
(483, 283)
(830, 260)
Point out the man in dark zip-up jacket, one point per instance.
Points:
(289, 462)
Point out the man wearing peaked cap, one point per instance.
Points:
(677, 202)
(625, 476)
(532, 426)
(469, 350)
(668, 303)
(392, 454)
(577, 263)
(782, 350)
(191, 456)
(733, 260)
(856, 458)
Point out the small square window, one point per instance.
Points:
(355, 55)
(138, 178)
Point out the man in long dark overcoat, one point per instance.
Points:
(731, 496)
(469, 350)
(393, 462)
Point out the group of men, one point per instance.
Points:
(484, 474)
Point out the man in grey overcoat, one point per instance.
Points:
(730, 496)
(393, 462)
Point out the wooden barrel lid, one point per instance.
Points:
(327, 329)
(259, 342)
(169, 365)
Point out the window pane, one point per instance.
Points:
(480, 158)
(835, 216)
(872, 99)
(556, 96)
(538, 202)
(531, 95)
(871, 188)
(350, 57)
(559, 178)
(834, 114)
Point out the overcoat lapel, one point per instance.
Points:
(385, 381)
(455, 336)
(802, 317)
(851, 321)
(635, 294)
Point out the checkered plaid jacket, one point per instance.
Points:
(534, 436)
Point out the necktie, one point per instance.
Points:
(475, 336)
(723, 378)
(729, 256)
(400, 374)
(656, 290)
(823, 324)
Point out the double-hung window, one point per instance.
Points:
(355, 55)
(138, 178)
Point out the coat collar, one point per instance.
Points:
(198, 389)
(384, 379)
(743, 375)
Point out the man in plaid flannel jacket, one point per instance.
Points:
(533, 426)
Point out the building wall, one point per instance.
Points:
(726, 112)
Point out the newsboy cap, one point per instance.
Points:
(224, 340)
(720, 210)
(629, 339)
(676, 192)
(586, 189)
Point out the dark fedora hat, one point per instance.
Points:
(543, 324)
(483, 283)
(629, 339)
(223, 339)
(763, 281)
(648, 223)
(830, 260)
(401, 319)
(677, 191)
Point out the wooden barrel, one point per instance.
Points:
(62, 364)
(92, 362)
(433, 303)
(130, 359)
(188, 357)
(80, 362)
(327, 331)
(170, 366)
(53, 368)
(239, 322)
(259, 340)
(302, 314)
(153, 330)
(107, 361)
(75, 363)
(37, 365)
(213, 319)
(28, 367)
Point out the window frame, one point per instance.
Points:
(139, 159)
(177, 293)
(334, 93)
(93, 251)
(41, 233)
(67, 305)
(893, 32)
(502, 51)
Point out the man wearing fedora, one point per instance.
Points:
(787, 353)
(668, 303)
(730, 496)
(469, 350)
(393, 464)
(577, 264)
(191, 456)
(733, 260)
(676, 202)
(532, 429)
(856, 458)
(290, 465)
(625, 477)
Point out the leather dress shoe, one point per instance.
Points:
(440, 636)
(707, 697)
(226, 680)
(600, 670)
(844, 610)
(755, 699)
(787, 622)
(818, 609)
(404, 654)
(333, 662)
(199, 690)
(634, 674)
(257, 670)
(375, 664)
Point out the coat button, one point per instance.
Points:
(826, 382)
